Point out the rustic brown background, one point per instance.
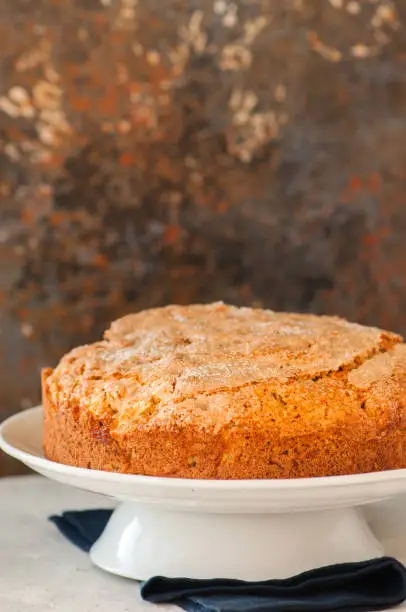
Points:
(157, 151)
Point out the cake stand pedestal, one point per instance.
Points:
(140, 542)
(251, 530)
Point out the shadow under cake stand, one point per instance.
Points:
(246, 529)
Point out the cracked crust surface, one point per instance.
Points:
(215, 391)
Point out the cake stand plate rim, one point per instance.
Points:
(366, 486)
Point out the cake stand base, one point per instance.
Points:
(141, 541)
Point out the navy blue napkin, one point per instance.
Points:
(351, 587)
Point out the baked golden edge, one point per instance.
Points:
(75, 437)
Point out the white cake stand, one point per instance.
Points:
(252, 530)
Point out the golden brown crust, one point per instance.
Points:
(216, 391)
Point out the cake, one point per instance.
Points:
(219, 392)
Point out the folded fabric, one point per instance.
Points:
(367, 586)
(82, 527)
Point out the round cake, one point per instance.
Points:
(220, 392)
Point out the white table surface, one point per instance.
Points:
(41, 572)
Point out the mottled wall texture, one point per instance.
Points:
(156, 151)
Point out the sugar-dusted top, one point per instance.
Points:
(151, 365)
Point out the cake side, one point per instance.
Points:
(284, 402)
(242, 448)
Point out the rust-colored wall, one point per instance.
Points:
(157, 151)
